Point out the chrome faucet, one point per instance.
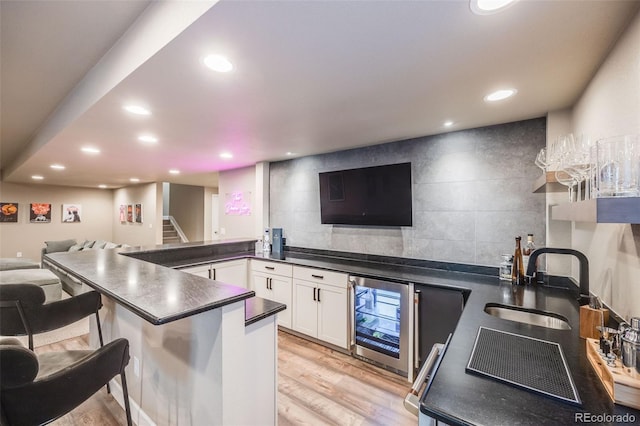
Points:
(584, 268)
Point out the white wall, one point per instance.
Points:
(238, 181)
(28, 238)
(187, 206)
(149, 232)
(611, 106)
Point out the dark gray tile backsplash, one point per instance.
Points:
(471, 196)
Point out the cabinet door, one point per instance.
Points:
(233, 272)
(201, 271)
(305, 308)
(276, 288)
(332, 315)
(260, 284)
(281, 292)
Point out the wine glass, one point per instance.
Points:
(565, 178)
(541, 160)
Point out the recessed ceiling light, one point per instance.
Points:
(57, 167)
(134, 180)
(488, 7)
(137, 109)
(174, 171)
(499, 95)
(37, 177)
(289, 153)
(218, 63)
(90, 150)
(226, 155)
(147, 138)
(102, 186)
(448, 123)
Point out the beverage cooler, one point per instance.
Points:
(380, 322)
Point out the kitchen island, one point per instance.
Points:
(202, 352)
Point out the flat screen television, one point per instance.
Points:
(374, 196)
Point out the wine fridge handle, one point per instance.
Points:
(352, 315)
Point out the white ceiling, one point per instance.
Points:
(309, 77)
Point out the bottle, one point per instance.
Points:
(266, 242)
(527, 250)
(517, 270)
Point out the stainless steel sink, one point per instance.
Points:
(528, 316)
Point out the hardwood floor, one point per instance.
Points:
(316, 386)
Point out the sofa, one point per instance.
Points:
(69, 284)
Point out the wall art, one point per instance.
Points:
(71, 213)
(138, 213)
(238, 204)
(129, 212)
(123, 213)
(9, 212)
(40, 213)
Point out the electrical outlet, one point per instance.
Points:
(19, 254)
(136, 366)
(223, 231)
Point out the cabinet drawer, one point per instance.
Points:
(271, 267)
(321, 276)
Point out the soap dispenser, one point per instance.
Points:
(266, 242)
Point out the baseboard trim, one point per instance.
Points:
(139, 417)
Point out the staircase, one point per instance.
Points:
(169, 233)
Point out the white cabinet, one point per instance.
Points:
(320, 305)
(232, 272)
(272, 280)
(201, 271)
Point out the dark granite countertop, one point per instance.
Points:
(457, 397)
(257, 308)
(155, 293)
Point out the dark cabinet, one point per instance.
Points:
(439, 310)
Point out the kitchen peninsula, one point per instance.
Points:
(202, 346)
(197, 355)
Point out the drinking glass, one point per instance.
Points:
(618, 163)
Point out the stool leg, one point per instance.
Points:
(125, 395)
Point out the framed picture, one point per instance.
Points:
(9, 212)
(71, 213)
(40, 213)
(123, 213)
(138, 213)
(130, 213)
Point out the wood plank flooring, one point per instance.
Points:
(316, 386)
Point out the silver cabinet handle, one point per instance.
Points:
(412, 400)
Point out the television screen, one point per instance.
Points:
(377, 196)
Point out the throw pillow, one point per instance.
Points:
(99, 244)
(56, 246)
(75, 247)
(111, 245)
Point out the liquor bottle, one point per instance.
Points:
(527, 250)
(517, 270)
